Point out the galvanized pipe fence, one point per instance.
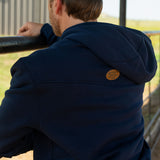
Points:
(151, 106)
(122, 14)
(20, 43)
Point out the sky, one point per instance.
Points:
(136, 9)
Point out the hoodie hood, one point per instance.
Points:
(127, 50)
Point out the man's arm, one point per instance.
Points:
(47, 32)
(37, 29)
(18, 112)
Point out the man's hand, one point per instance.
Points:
(30, 29)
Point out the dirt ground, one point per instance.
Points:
(26, 156)
(29, 155)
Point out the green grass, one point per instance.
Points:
(136, 24)
(6, 61)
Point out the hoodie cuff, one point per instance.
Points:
(48, 34)
(46, 30)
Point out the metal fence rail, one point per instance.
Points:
(14, 13)
(151, 108)
(19, 43)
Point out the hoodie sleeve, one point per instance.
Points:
(48, 34)
(17, 114)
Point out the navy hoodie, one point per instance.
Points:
(81, 98)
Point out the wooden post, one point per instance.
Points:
(123, 7)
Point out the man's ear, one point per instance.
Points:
(58, 6)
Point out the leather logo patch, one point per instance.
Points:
(112, 74)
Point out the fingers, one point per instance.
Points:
(24, 33)
(24, 30)
(30, 29)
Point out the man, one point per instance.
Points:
(81, 98)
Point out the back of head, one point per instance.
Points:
(83, 9)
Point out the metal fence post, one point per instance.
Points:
(149, 109)
(123, 7)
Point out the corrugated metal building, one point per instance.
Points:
(14, 13)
